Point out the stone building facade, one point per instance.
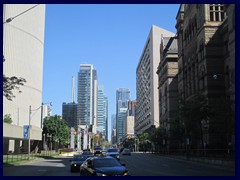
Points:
(168, 86)
(206, 62)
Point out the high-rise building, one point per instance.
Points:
(147, 112)
(121, 120)
(132, 105)
(100, 110)
(106, 116)
(122, 98)
(94, 102)
(69, 114)
(85, 112)
(69, 110)
(113, 129)
(23, 46)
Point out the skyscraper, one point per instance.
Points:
(102, 110)
(105, 104)
(69, 110)
(122, 98)
(85, 95)
(147, 112)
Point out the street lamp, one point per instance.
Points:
(29, 134)
(11, 18)
(29, 123)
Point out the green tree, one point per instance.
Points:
(58, 129)
(144, 140)
(192, 112)
(11, 83)
(7, 118)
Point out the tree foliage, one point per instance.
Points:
(11, 83)
(144, 138)
(192, 112)
(7, 118)
(58, 129)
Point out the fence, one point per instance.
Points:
(11, 158)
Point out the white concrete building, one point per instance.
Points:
(23, 46)
(147, 111)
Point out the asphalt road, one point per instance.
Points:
(138, 164)
(147, 164)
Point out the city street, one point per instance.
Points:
(138, 164)
(147, 164)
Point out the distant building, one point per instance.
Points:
(102, 110)
(147, 111)
(69, 114)
(122, 98)
(132, 108)
(113, 129)
(130, 118)
(46, 112)
(121, 118)
(106, 117)
(86, 78)
(129, 126)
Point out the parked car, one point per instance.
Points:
(126, 151)
(97, 151)
(103, 166)
(77, 161)
(113, 152)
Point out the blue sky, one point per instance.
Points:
(111, 37)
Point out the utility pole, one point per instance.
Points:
(29, 138)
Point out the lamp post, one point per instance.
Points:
(29, 123)
(29, 129)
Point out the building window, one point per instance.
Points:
(216, 12)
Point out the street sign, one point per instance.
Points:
(25, 131)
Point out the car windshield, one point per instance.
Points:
(105, 163)
(80, 158)
(86, 153)
(112, 150)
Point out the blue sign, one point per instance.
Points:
(25, 131)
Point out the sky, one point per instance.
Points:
(111, 37)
